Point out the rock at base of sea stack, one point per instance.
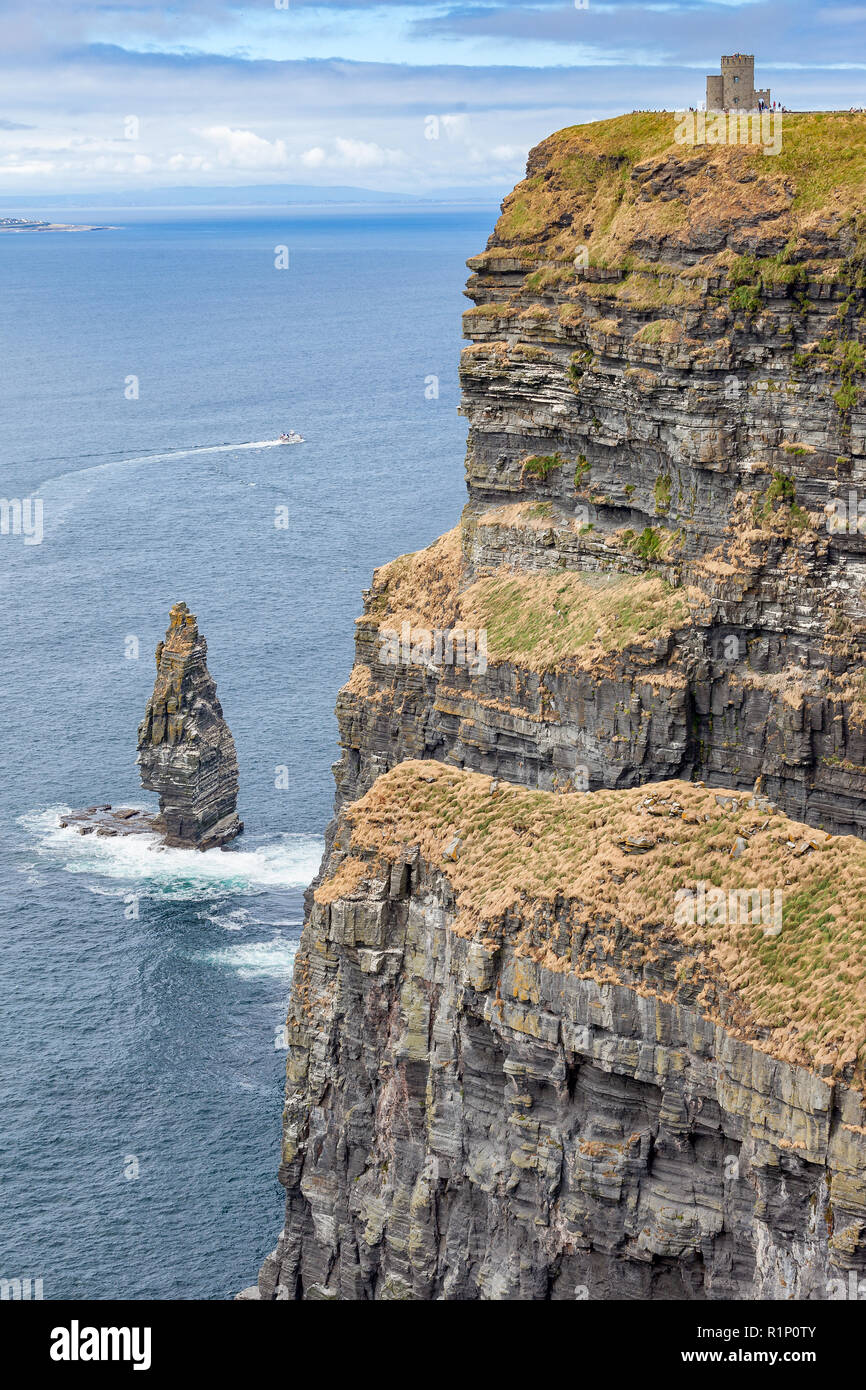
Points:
(185, 749)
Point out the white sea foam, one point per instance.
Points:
(289, 861)
(256, 960)
(233, 919)
(237, 918)
(98, 468)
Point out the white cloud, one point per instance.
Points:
(11, 165)
(189, 161)
(365, 154)
(506, 159)
(243, 149)
(353, 154)
(362, 124)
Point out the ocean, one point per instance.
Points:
(147, 372)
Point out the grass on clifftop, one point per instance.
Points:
(519, 848)
(824, 155)
(540, 621)
(579, 189)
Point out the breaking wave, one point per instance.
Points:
(256, 960)
(288, 861)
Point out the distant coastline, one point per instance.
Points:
(277, 195)
(30, 224)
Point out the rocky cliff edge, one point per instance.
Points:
(579, 1006)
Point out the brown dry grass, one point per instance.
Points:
(660, 331)
(580, 178)
(420, 588)
(344, 882)
(534, 515)
(803, 992)
(541, 621)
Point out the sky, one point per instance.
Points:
(409, 96)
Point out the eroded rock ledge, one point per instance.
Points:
(664, 387)
(514, 1073)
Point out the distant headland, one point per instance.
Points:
(31, 224)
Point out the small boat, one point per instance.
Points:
(292, 438)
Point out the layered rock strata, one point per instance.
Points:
(185, 749)
(665, 379)
(517, 1068)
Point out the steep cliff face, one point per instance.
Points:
(684, 403)
(185, 750)
(537, 1050)
(517, 1071)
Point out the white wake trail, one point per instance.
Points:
(205, 449)
(81, 474)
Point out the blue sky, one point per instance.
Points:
(403, 95)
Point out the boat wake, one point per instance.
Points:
(93, 469)
(142, 861)
(205, 449)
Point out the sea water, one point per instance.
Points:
(147, 373)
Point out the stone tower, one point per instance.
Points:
(734, 89)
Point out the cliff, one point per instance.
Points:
(686, 408)
(185, 749)
(514, 1074)
(594, 1028)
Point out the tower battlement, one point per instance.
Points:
(734, 88)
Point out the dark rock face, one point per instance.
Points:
(185, 750)
(108, 821)
(464, 1123)
(778, 711)
(663, 411)
(665, 378)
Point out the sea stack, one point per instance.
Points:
(185, 749)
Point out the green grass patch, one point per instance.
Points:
(648, 545)
(579, 364)
(541, 465)
(662, 493)
(746, 299)
(541, 620)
